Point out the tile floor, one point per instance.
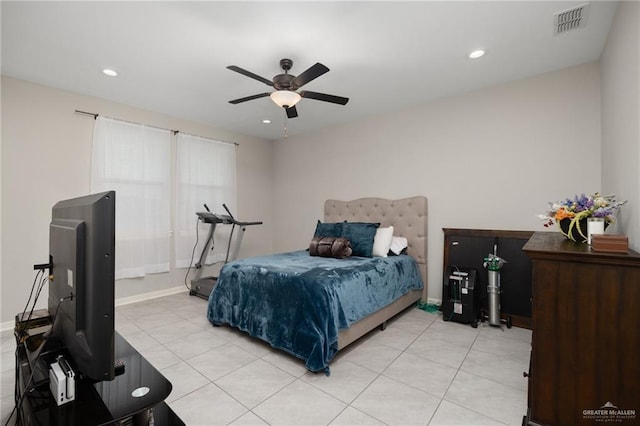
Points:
(419, 371)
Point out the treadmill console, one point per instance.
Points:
(208, 217)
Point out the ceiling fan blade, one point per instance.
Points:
(292, 112)
(250, 74)
(249, 98)
(324, 97)
(312, 73)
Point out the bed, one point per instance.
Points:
(312, 307)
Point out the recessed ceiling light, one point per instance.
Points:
(266, 121)
(109, 72)
(477, 54)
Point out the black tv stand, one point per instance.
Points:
(101, 403)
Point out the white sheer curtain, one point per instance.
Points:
(205, 174)
(134, 160)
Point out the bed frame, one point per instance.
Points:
(408, 216)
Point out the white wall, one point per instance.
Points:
(621, 117)
(490, 159)
(46, 151)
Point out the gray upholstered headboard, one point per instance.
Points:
(408, 217)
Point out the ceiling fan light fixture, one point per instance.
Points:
(285, 98)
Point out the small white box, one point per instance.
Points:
(62, 381)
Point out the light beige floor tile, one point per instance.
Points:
(515, 333)
(7, 361)
(452, 332)
(179, 300)
(7, 341)
(7, 379)
(201, 320)
(192, 310)
(507, 371)
(412, 321)
(491, 399)
(253, 345)
(160, 357)
(287, 362)
(138, 310)
(152, 321)
(126, 327)
(220, 361)
(393, 337)
(174, 331)
(501, 343)
(249, 419)
(184, 379)
(195, 344)
(439, 350)
(208, 405)
(254, 382)
(6, 407)
(346, 382)
(423, 374)
(370, 354)
(299, 404)
(411, 354)
(352, 417)
(141, 340)
(395, 403)
(449, 414)
(228, 333)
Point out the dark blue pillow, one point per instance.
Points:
(328, 229)
(361, 236)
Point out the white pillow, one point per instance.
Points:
(382, 241)
(398, 244)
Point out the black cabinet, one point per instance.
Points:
(97, 403)
(467, 248)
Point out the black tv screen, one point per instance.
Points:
(82, 291)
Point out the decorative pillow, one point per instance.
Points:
(361, 236)
(382, 241)
(398, 244)
(328, 229)
(338, 247)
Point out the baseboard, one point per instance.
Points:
(150, 295)
(8, 325)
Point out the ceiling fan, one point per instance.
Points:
(286, 85)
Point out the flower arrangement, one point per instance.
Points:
(582, 207)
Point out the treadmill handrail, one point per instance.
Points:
(235, 222)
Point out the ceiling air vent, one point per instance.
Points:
(570, 19)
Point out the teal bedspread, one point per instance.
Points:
(298, 303)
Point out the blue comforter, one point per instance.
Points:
(298, 303)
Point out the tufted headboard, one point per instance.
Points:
(408, 217)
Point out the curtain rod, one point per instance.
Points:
(175, 132)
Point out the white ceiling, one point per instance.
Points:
(384, 56)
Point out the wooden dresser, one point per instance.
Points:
(585, 349)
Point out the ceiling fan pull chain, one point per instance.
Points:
(285, 126)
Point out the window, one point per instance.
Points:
(135, 161)
(205, 174)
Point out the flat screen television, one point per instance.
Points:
(81, 292)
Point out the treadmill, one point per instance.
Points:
(202, 286)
